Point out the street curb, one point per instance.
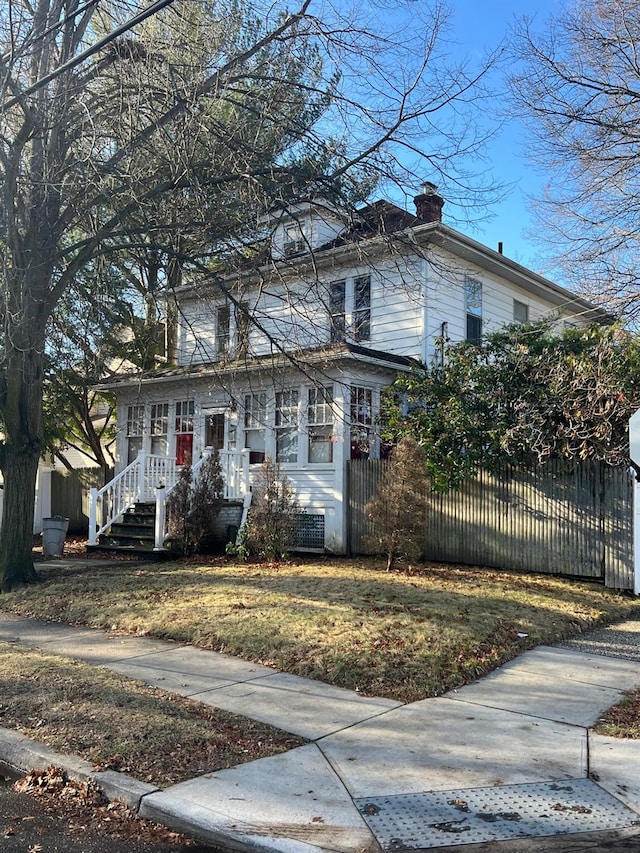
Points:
(23, 754)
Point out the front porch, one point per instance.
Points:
(136, 499)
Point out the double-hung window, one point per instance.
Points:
(473, 309)
(135, 432)
(242, 329)
(361, 419)
(520, 312)
(320, 424)
(160, 429)
(255, 411)
(287, 425)
(185, 410)
(294, 240)
(223, 318)
(337, 311)
(362, 308)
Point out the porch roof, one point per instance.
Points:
(319, 358)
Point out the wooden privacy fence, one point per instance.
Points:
(70, 495)
(560, 518)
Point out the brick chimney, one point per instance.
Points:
(429, 204)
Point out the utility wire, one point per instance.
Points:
(81, 10)
(123, 28)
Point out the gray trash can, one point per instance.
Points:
(54, 532)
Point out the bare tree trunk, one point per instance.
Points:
(16, 537)
(23, 441)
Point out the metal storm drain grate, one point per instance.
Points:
(474, 815)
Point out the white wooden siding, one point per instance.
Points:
(410, 299)
(446, 301)
(197, 332)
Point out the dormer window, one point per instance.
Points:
(294, 241)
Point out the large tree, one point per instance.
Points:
(578, 85)
(172, 137)
(526, 394)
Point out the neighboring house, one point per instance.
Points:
(288, 358)
(42, 508)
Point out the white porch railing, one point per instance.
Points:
(235, 473)
(153, 478)
(137, 482)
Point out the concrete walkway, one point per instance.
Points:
(507, 757)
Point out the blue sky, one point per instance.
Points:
(477, 28)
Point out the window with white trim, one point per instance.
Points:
(337, 311)
(135, 431)
(242, 329)
(294, 239)
(361, 420)
(320, 424)
(255, 412)
(214, 430)
(185, 410)
(160, 429)
(287, 425)
(362, 308)
(223, 326)
(520, 312)
(473, 309)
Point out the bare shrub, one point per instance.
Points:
(194, 504)
(398, 511)
(272, 526)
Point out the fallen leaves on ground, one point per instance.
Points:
(83, 805)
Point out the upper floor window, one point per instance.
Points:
(362, 308)
(255, 412)
(223, 325)
(294, 241)
(159, 337)
(473, 309)
(520, 312)
(337, 310)
(242, 329)
(320, 424)
(185, 410)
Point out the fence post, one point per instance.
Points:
(634, 453)
(93, 514)
(161, 517)
(142, 475)
(244, 486)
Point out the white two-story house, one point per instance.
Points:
(287, 358)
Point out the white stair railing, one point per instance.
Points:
(235, 472)
(137, 482)
(153, 478)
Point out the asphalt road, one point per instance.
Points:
(29, 825)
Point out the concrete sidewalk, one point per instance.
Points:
(510, 756)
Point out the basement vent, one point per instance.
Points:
(310, 532)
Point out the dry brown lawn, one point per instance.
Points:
(121, 724)
(405, 635)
